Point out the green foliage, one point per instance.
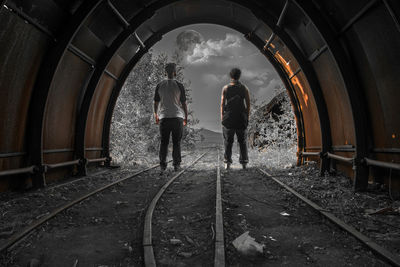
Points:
(133, 131)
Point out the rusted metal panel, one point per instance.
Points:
(89, 43)
(104, 24)
(116, 65)
(197, 9)
(339, 109)
(342, 12)
(376, 30)
(61, 110)
(93, 154)
(43, 14)
(308, 108)
(305, 96)
(98, 107)
(352, 88)
(22, 48)
(42, 86)
(53, 158)
(128, 49)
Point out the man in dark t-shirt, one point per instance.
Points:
(235, 111)
(170, 112)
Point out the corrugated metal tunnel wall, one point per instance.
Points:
(63, 63)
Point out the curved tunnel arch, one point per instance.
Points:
(98, 48)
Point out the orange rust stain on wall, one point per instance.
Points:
(290, 72)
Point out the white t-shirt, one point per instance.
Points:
(171, 95)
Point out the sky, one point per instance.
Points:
(209, 52)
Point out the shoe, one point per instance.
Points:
(177, 168)
(163, 167)
(244, 166)
(227, 166)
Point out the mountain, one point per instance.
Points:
(210, 138)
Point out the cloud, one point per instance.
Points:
(225, 48)
(266, 92)
(257, 77)
(214, 78)
(186, 40)
(257, 82)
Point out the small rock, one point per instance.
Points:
(189, 240)
(356, 257)
(175, 241)
(34, 263)
(185, 254)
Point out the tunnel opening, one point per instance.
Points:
(205, 53)
(326, 54)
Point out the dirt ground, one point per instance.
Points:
(293, 233)
(183, 220)
(373, 212)
(106, 230)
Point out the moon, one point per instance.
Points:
(187, 39)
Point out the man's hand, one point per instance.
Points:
(156, 117)
(184, 121)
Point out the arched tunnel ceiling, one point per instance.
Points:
(64, 62)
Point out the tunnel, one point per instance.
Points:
(63, 64)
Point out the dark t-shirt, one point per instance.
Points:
(235, 116)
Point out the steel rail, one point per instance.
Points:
(12, 154)
(96, 160)
(382, 164)
(219, 256)
(30, 169)
(306, 154)
(24, 233)
(382, 252)
(340, 158)
(386, 150)
(149, 259)
(62, 164)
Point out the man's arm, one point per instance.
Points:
(222, 102)
(155, 109)
(184, 106)
(157, 99)
(183, 102)
(247, 98)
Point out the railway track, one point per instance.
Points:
(218, 237)
(49, 215)
(216, 212)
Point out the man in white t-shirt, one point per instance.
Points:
(170, 112)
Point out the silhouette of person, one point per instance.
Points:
(170, 112)
(235, 111)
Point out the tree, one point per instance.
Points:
(133, 132)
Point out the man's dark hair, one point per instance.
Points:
(235, 73)
(170, 68)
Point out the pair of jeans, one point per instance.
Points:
(170, 126)
(229, 135)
